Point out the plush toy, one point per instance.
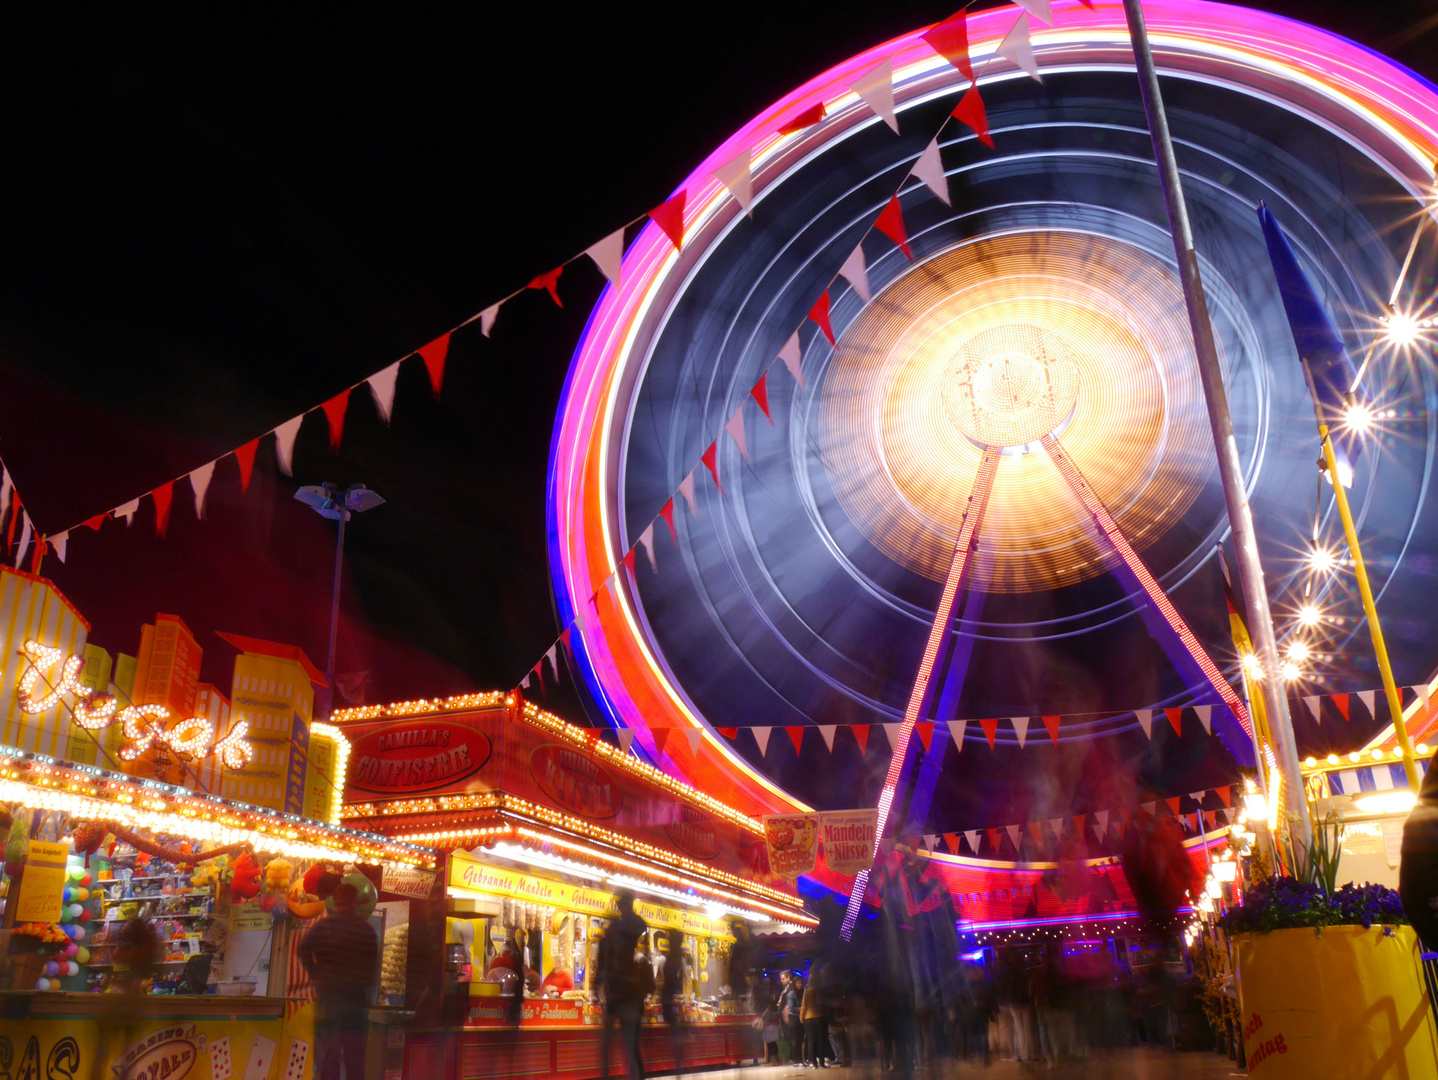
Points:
(246, 883)
(89, 835)
(17, 846)
(302, 903)
(277, 877)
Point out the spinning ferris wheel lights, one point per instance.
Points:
(1322, 560)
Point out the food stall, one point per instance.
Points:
(226, 890)
(542, 825)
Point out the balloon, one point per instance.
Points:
(70, 949)
(85, 878)
(85, 914)
(73, 969)
(42, 984)
(75, 910)
(51, 968)
(77, 872)
(82, 894)
(367, 895)
(77, 932)
(65, 917)
(82, 954)
(67, 894)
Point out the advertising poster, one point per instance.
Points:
(848, 839)
(793, 843)
(42, 884)
(194, 1049)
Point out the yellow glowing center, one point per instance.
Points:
(1010, 384)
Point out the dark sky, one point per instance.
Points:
(209, 225)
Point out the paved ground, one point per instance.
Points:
(1138, 1064)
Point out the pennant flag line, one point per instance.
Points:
(930, 169)
(890, 222)
(608, 255)
(792, 358)
(970, 110)
(876, 88)
(436, 352)
(857, 275)
(199, 484)
(950, 39)
(736, 175)
(381, 387)
(760, 394)
(1018, 47)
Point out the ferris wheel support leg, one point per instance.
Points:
(1251, 585)
(921, 693)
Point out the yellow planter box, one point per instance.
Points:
(1341, 1001)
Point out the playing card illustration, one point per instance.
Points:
(299, 1055)
(220, 1066)
(262, 1054)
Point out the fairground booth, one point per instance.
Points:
(541, 824)
(161, 864)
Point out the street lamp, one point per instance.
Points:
(331, 501)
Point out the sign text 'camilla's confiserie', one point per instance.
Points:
(417, 756)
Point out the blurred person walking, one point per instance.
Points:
(671, 995)
(790, 1005)
(340, 952)
(814, 1016)
(624, 982)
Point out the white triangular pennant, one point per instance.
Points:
(524, 682)
(1205, 717)
(1039, 9)
(1018, 47)
(1369, 698)
(761, 736)
(487, 317)
(381, 387)
(735, 427)
(1021, 728)
(876, 87)
(608, 255)
(857, 275)
(827, 731)
(646, 541)
(931, 841)
(200, 484)
(1145, 720)
(972, 836)
(1013, 831)
(59, 542)
(686, 488)
(1101, 816)
(693, 735)
(552, 655)
(930, 169)
(793, 359)
(1423, 695)
(626, 738)
(956, 732)
(24, 539)
(1197, 796)
(1057, 825)
(285, 443)
(736, 175)
(127, 511)
(1315, 706)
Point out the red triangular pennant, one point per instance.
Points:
(991, 728)
(667, 513)
(163, 494)
(760, 394)
(820, 314)
(950, 39)
(14, 518)
(1173, 804)
(1341, 702)
(245, 456)
(1226, 794)
(710, 458)
(628, 561)
(993, 838)
(970, 110)
(925, 730)
(40, 548)
(96, 521)
(1036, 830)
(890, 222)
(335, 413)
(549, 281)
(861, 736)
(808, 118)
(1175, 718)
(796, 736)
(951, 841)
(1052, 723)
(435, 352)
(669, 216)
(728, 732)
(661, 736)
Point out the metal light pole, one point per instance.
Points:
(1230, 470)
(329, 501)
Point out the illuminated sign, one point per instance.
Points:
(144, 725)
(417, 756)
(575, 782)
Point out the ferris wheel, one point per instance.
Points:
(1027, 344)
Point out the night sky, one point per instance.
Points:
(208, 226)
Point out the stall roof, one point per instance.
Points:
(86, 792)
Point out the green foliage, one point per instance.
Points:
(1321, 857)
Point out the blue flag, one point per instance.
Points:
(1316, 338)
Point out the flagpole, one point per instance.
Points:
(1250, 570)
(1365, 590)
